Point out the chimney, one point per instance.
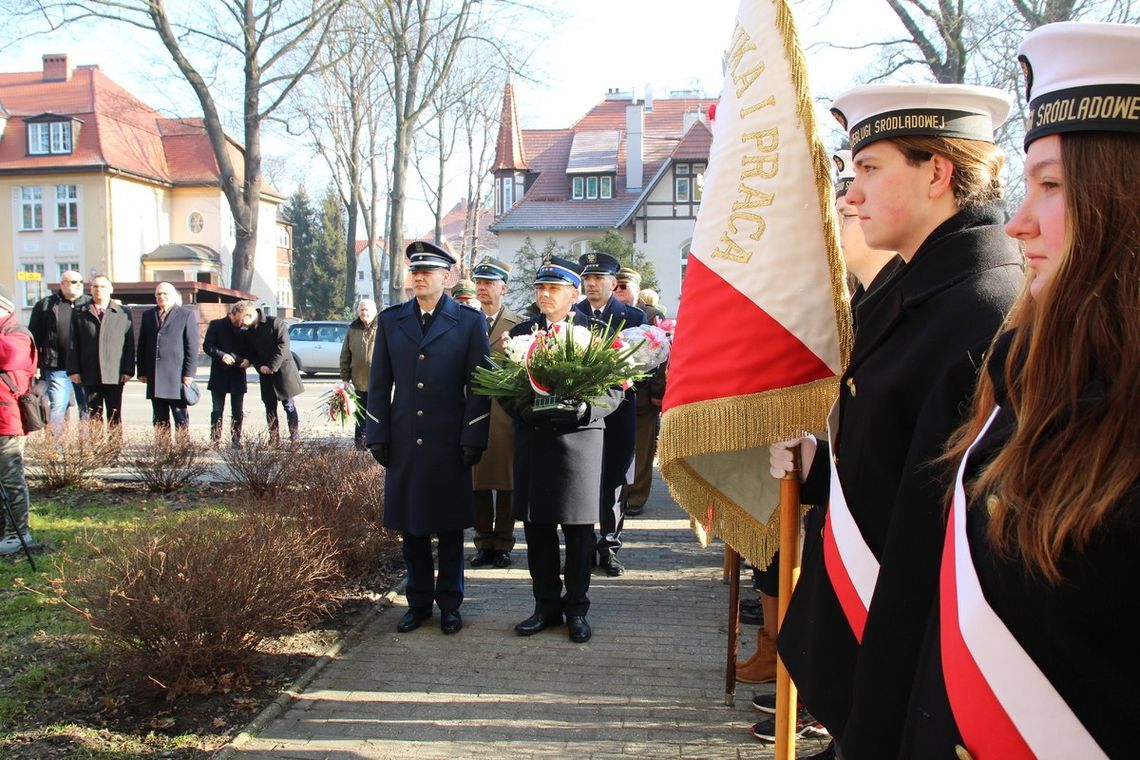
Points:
(634, 141)
(56, 67)
(691, 118)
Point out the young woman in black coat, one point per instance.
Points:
(1031, 650)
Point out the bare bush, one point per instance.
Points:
(185, 606)
(341, 490)
(261, 467)
(72, 455)
(168, 464)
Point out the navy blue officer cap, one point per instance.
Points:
(560, 272)
(595, 262)
(424, 255)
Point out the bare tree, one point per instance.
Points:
(276, 43)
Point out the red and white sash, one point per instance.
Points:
(851, 566)
(1004, 706)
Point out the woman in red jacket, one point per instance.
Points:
(17, 364)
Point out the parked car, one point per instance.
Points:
(316, 345)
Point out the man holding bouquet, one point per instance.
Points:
(599, 278)
(558, 471)
(428, 430)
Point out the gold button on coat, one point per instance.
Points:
(851, 385)
(992, 503)
(962, 753)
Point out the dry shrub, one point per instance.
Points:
(72, 456)
(168, 464)
(341, 490)
(185, 605)
(261, 467)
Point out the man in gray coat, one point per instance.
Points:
(101, 350)
(168, 357)
(427, 428)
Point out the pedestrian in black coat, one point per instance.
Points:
(558, 474)
(225, 345)
(902, 394)
(428, 429)
(168, 357)
(50, 325)
(101, 350)
(599, 277)
(267, 348)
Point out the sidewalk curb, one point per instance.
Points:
(293, 690)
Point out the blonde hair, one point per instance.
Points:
(649, 297)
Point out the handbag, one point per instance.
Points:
(191, 394)
(35, 409)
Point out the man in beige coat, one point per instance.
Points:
(494, 475)
(356, 360)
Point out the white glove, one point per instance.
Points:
(780, 456)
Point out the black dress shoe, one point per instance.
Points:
(482, 558)
(612, 567)
(751, 616)
(450, 621)
(502, 559)
(633, 510)
(412, 619)
(537, 623)
(579, 629)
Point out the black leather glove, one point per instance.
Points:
(470, 455)
(380, 453)
(526, 414)
(565, 416)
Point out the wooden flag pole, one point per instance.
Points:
(789, 574)
(732, 565)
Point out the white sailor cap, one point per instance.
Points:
(882, 111)
(1081, 77)
(844, 171)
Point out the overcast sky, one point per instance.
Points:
(596, 45)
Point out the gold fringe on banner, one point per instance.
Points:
(735, 424)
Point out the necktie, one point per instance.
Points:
(98, 312)
(425, 320)
(597, 313)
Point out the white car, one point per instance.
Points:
(316, 345)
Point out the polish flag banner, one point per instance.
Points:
(763, 327)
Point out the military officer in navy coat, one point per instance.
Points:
(428, 429)
(558, 471)
(599, 277)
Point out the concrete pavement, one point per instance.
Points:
(650, 684)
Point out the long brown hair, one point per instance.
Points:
(1064, 474)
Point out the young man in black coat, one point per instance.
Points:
(225, 345)
(101, 350)
(599, 278)
(50, 325)
(558, 471)
(267, 348)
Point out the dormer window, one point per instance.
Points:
(592, 187)
(50, 137)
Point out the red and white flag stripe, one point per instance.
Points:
(1004, 706)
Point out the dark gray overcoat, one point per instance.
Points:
(223, 339)
(420, 404)
(267, 345)
(558, 470)
(167, 355)
(101, 351)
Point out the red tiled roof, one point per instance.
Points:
(453, 224)
(117, 129)
(547, 203)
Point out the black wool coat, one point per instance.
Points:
(1080, 633)
(50, 323)
(101, 351)
(421, 405)
(167, 355)
(267, 345)
(904, 392)
(621, 425)
(223, 339)
(558, 469)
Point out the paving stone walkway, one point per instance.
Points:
(649, 684)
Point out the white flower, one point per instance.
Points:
(516, 348)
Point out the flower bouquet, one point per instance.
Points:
(556, 369)
(652, 346)
(340, 404)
